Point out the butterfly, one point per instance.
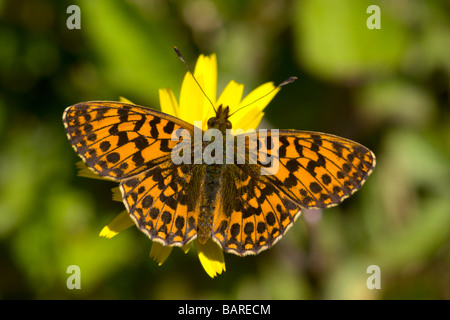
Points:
(243, 210)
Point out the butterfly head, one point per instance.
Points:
(220, 121)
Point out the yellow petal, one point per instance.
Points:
(118, 224)
(249, 111)
(84, 171)
(168, 102)
(252, 118)
(125, 100)
(206, 68)
(191, 99)
(261, 96)
(116, 194)
(231, 96)
(211, 257)
(193, 102)
(186, 247)
(160, 253)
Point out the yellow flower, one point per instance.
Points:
(195, 106)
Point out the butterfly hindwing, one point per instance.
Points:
(161, 203)
(260, 216)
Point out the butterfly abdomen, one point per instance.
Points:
(209, 201)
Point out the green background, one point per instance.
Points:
(387, 89)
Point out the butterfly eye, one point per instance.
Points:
(228, 124)
(211, 122)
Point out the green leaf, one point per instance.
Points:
(334, 42)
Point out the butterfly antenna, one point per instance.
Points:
(285, 82)
(192, 74)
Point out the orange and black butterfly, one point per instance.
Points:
(241, 209)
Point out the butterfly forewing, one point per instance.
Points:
(119, 140)
(160, 203)
(319, 170)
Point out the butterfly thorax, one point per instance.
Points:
(220, 121)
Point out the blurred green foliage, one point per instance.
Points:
(387, 89)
